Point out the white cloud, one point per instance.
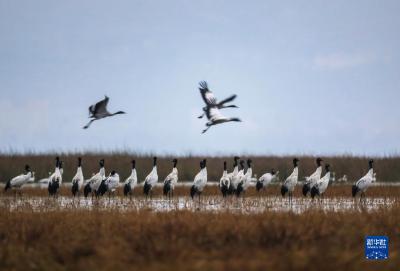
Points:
(337, 61)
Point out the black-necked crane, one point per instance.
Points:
(290, 183)
(55, 180)
(99, 111)
(245, 180)
(109, 185)
(210, 100)
(224, 182)
(200, 180)
(266, 179)
(131, 181)
(362, 184)
(171, 180)
(77, 180)
(93, 184)
(233, 176)
(322, 184)
(151, 180)
(313, 178)
(239, 177)
(212, 108)
(18, 181)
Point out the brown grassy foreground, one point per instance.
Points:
(108, 240)
(387, 168)
(77, 239)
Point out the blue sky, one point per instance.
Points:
(314, 77)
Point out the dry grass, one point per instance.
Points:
(111, 240)
(10, 165)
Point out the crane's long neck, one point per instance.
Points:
(117, 113)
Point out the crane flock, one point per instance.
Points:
(235, 183)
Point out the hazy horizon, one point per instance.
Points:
(313, 78)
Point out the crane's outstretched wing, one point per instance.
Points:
(98, 107)
(102, 105)
(206, 94)
(227, 100)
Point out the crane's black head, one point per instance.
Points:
(204, 162)
(101, 163)
(241, 164)
(201, 164)
(318, 161)
(295, 162)
(119, 112)
(133, 163)
(79, 161)
(249, 162)
(224, 165)
(175, 161)
(113, 173)
(327, 167)
(273, 172)
(27, 168)
(57, 161)
(370, 163)
(154, 160)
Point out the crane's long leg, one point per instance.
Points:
(87, 125)
(205, 130)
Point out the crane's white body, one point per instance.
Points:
(96, 179)
(268, 178)
(20, 180)
(314, 178)
(132, 179)
(291, 181)
(363, 183)
(112, 182)
(246, 180)
(200, 180)
(78, 178)
(152, 178)
(225, 179)
(237, 179)
(233, 176)
(172, 178)
(56, 176)
(322, 184)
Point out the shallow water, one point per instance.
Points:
(246, 205)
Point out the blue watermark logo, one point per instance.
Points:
(376, 247)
